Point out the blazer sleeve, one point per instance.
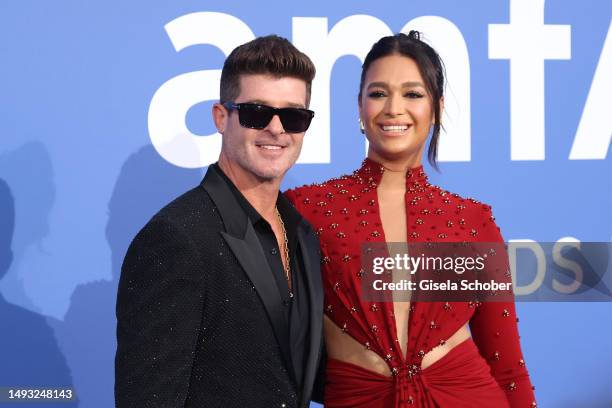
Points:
(318, 390)
(495, 332)
(159, 309)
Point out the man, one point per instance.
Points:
(220, 300)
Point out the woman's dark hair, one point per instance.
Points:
(271, 55)
(430, 66)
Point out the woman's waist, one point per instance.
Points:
(367, 351)
(459, 359)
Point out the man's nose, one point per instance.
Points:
(275, 126)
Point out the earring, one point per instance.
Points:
(361, 126)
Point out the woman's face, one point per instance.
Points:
(396, 111)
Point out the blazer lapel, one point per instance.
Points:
(312, 272)
(244, 243)
(250, 254)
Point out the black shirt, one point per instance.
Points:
(296, 308)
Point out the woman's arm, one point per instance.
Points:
(494, 328)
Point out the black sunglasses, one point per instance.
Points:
(257, 116)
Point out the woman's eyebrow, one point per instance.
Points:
(411, 84)
(377, 85)
(408, 84)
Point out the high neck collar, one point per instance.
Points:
(372, 172)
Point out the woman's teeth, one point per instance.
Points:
(395, 128)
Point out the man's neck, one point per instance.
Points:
(261, 194)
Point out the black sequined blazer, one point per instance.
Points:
(200, 322)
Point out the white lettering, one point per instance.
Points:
(567, 264)
(595, 129)
(538, 252)
(167, 128)
(526, 41)
(353, 35)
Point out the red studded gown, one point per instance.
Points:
(486, 370)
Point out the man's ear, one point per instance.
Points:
(220, 117)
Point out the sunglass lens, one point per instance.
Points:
(254, 116)
(295, 120)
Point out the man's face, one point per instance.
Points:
(268, 153)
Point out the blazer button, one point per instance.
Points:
(273, 251)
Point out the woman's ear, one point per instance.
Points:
(441, 105)
(361, 125)
(359, 105)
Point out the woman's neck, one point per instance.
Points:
(394, 176)
(392, 179)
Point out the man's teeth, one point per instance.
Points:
(270, 147)
(395, 128)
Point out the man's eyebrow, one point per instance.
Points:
(297, 105)
(290, 104)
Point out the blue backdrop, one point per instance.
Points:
(105, 111)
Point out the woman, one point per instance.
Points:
(401, 354)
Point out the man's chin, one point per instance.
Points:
(269, 175)
(271, 170)
(266, 172)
